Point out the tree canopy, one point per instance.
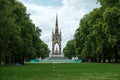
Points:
(19, 37)
(69, 50)
(98, 37)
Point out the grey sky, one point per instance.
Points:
(43, 13)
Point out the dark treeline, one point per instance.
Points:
(98, 37)
(19, 37)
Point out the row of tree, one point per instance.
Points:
(98, 37)
(19, 37)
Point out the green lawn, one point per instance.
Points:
(64, 71)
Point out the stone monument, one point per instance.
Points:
(56, 38)
(56, 43)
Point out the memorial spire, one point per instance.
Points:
(56, 25)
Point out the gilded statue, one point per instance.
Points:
(56, 50)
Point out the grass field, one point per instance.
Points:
(63, 71)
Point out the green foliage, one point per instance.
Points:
(98, 37)
(109, 3)
(19, 37)
(69, 50)
(44, 51)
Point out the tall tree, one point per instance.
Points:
(9, 31)
(69, 50)
(19, 37)
(97, 38)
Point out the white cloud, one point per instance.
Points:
(69, 15)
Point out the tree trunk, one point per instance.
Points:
(116, 57)
(12, 59)
(109, 60)
(22, 59)
(15, 58)
(104, 60)
(99, 59)
(91, 59)
(95, 59)
(2, 59)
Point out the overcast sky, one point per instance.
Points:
(43, 13)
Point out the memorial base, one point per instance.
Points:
(57, 57)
